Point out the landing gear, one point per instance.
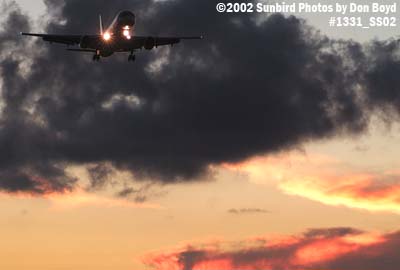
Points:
(96, 57)
(132, 57)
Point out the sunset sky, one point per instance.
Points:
(290, 191)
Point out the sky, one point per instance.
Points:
(208, 155)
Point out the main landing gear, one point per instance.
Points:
(132, 57)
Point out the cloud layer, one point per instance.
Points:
(326, 180)
(333, 249)
(249, 88)
(379, 192)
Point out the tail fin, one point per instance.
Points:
(101, 26)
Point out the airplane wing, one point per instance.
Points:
(63, 39)
(138, 42)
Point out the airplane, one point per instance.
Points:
(118, 37)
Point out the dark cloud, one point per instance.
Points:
(189, 258)
(248, 211)
(336, 248)
(99, 175)
(249, 88)
(331, 232)
(140, 193)
(382, 80)
(126, 192)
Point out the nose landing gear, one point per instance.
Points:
(132, 57)
(96, 57)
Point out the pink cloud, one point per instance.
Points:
(321, 249)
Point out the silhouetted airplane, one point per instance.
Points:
(119, 37)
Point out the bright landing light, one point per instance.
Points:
(107, 36)
(126, 32)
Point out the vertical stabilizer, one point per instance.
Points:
(101, 26)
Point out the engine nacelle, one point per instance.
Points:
(149, 43)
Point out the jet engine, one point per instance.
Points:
(87, 42)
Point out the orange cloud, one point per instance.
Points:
(323, 249)
(362, 191)
(325, 180)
